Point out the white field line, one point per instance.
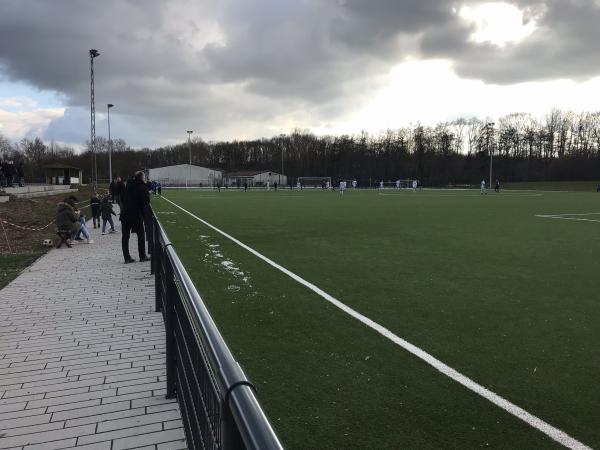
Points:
(566, 218)
(568, 214)
(457, 194)
(550, 431)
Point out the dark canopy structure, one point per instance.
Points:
(59, 173)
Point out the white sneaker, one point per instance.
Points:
(104, 232)
(90, 241)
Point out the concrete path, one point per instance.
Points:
(82, 361)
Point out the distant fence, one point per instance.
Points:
(217, 401)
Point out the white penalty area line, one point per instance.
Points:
(550, 431)
(455, 194)
(576, 217)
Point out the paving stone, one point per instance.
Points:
(150, 438)
(126, 432)
(82, 365)
(49, 436)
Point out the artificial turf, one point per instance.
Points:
(505, 297)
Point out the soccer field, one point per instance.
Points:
(501, 288)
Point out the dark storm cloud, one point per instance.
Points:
(208, 64)
(562, 46)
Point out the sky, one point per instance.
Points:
(243, 69)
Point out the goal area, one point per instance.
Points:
(313, 182)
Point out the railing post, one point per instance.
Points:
(169, 318)
(154, 244)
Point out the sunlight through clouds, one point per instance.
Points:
(498, 23)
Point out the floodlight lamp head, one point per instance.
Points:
(110, 105)
(190, 131)
(94, 53)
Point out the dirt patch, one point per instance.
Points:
(29, 222)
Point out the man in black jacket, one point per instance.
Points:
(135, 200)
(119, 191)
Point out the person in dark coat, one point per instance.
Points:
(66, 217)
(95, 207)
(119, 191)
(106, 210)
(111, 189)
(134, 201)
(21, 174)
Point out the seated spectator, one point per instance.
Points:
(66, 218)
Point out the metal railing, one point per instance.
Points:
(217, 401)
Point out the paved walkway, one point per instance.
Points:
(82, 355)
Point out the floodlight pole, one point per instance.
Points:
(490, 125)
(189, 132)
(282, 136)
(93, 54)
(110, 105)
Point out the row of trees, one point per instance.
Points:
(561, 146)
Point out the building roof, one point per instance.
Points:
(185, 165)
(246, 173)
(60, 166)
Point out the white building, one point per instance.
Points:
(185, 174)
(255, 178)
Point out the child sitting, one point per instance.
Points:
(83, 230)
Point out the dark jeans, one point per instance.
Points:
(104, 221)
(137, 228)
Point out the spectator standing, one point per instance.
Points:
(11, 173)
(3, 173)
(95, 207)
(21, 174)
(134, 200)
(106, 210)
(111, 189)
(119, 191)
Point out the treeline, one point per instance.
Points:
(563, 146)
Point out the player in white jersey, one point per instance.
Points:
(414, 185)
(268, 185)
(342, 187)
(298, 186)
(353, 184)
(483, 190)
(381, 184)
(397, 184)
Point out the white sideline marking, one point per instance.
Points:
(550, 431)
(569, 217)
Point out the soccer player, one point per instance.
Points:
(342, 187)
(414, 185)
(353, 184)
(328, 185)
(483, 191)
(268, 185)
(381, 185)
(497, 187)
(397, 184)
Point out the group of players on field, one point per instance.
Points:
(343, 185)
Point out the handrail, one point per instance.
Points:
(218, 402)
